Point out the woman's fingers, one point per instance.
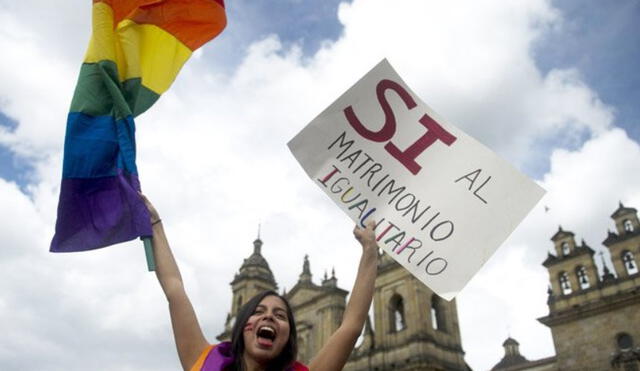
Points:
(365, 235)
(152, 210)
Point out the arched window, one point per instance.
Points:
(396, 311)
(399, 320)
(625, 358)
(565, 249)
(583, 278)
(437, 314)
(565, 285)
(624, 341)
(629, 262)
(239, 302)
(434, 318)
(302, 348)
(628, 226)
(305, 342)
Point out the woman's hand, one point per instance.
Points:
(153, 213)
(366, 236)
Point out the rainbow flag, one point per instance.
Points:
(136, 50)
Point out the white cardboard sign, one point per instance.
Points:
(443, 202)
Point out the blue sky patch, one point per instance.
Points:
(7, 122)
(567, 138)
(602, 40)
(303, 22)
(13, 168)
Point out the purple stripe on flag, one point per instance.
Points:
(98, 212)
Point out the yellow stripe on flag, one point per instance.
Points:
(139, 50)
(102, 45)
(151, 53)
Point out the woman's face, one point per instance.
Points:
(267, 330)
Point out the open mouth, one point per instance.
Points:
(266, 335)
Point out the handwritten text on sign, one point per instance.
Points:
(443, 202)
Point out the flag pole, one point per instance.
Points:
(148, 251)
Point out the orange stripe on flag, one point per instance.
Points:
(193, 22)
(123, 8)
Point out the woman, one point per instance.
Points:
(264, 335)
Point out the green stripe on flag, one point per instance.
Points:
(99, 92)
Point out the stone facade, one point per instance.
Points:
(415, 330)
(317, 309)
(594, 318)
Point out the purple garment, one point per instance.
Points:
(220, 357)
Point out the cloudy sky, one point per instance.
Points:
(550, 86)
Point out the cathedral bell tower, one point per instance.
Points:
(572, 268)
(595, 321)
(254, 277)
(624, 245)
(414, 329)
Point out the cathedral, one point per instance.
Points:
(594, 318)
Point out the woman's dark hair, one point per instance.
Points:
(290, 351)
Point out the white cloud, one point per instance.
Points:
(584, 187)
(37, 84)
(213, 159)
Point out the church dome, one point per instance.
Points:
(512, 356)
(256, 259)
(256, 266)
(510, 341)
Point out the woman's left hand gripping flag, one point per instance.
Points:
(137, 49)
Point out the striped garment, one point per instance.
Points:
(136, 50)
(217, 357)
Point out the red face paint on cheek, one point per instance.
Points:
(248, 327)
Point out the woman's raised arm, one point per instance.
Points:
(334, 354)
(190, 341)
